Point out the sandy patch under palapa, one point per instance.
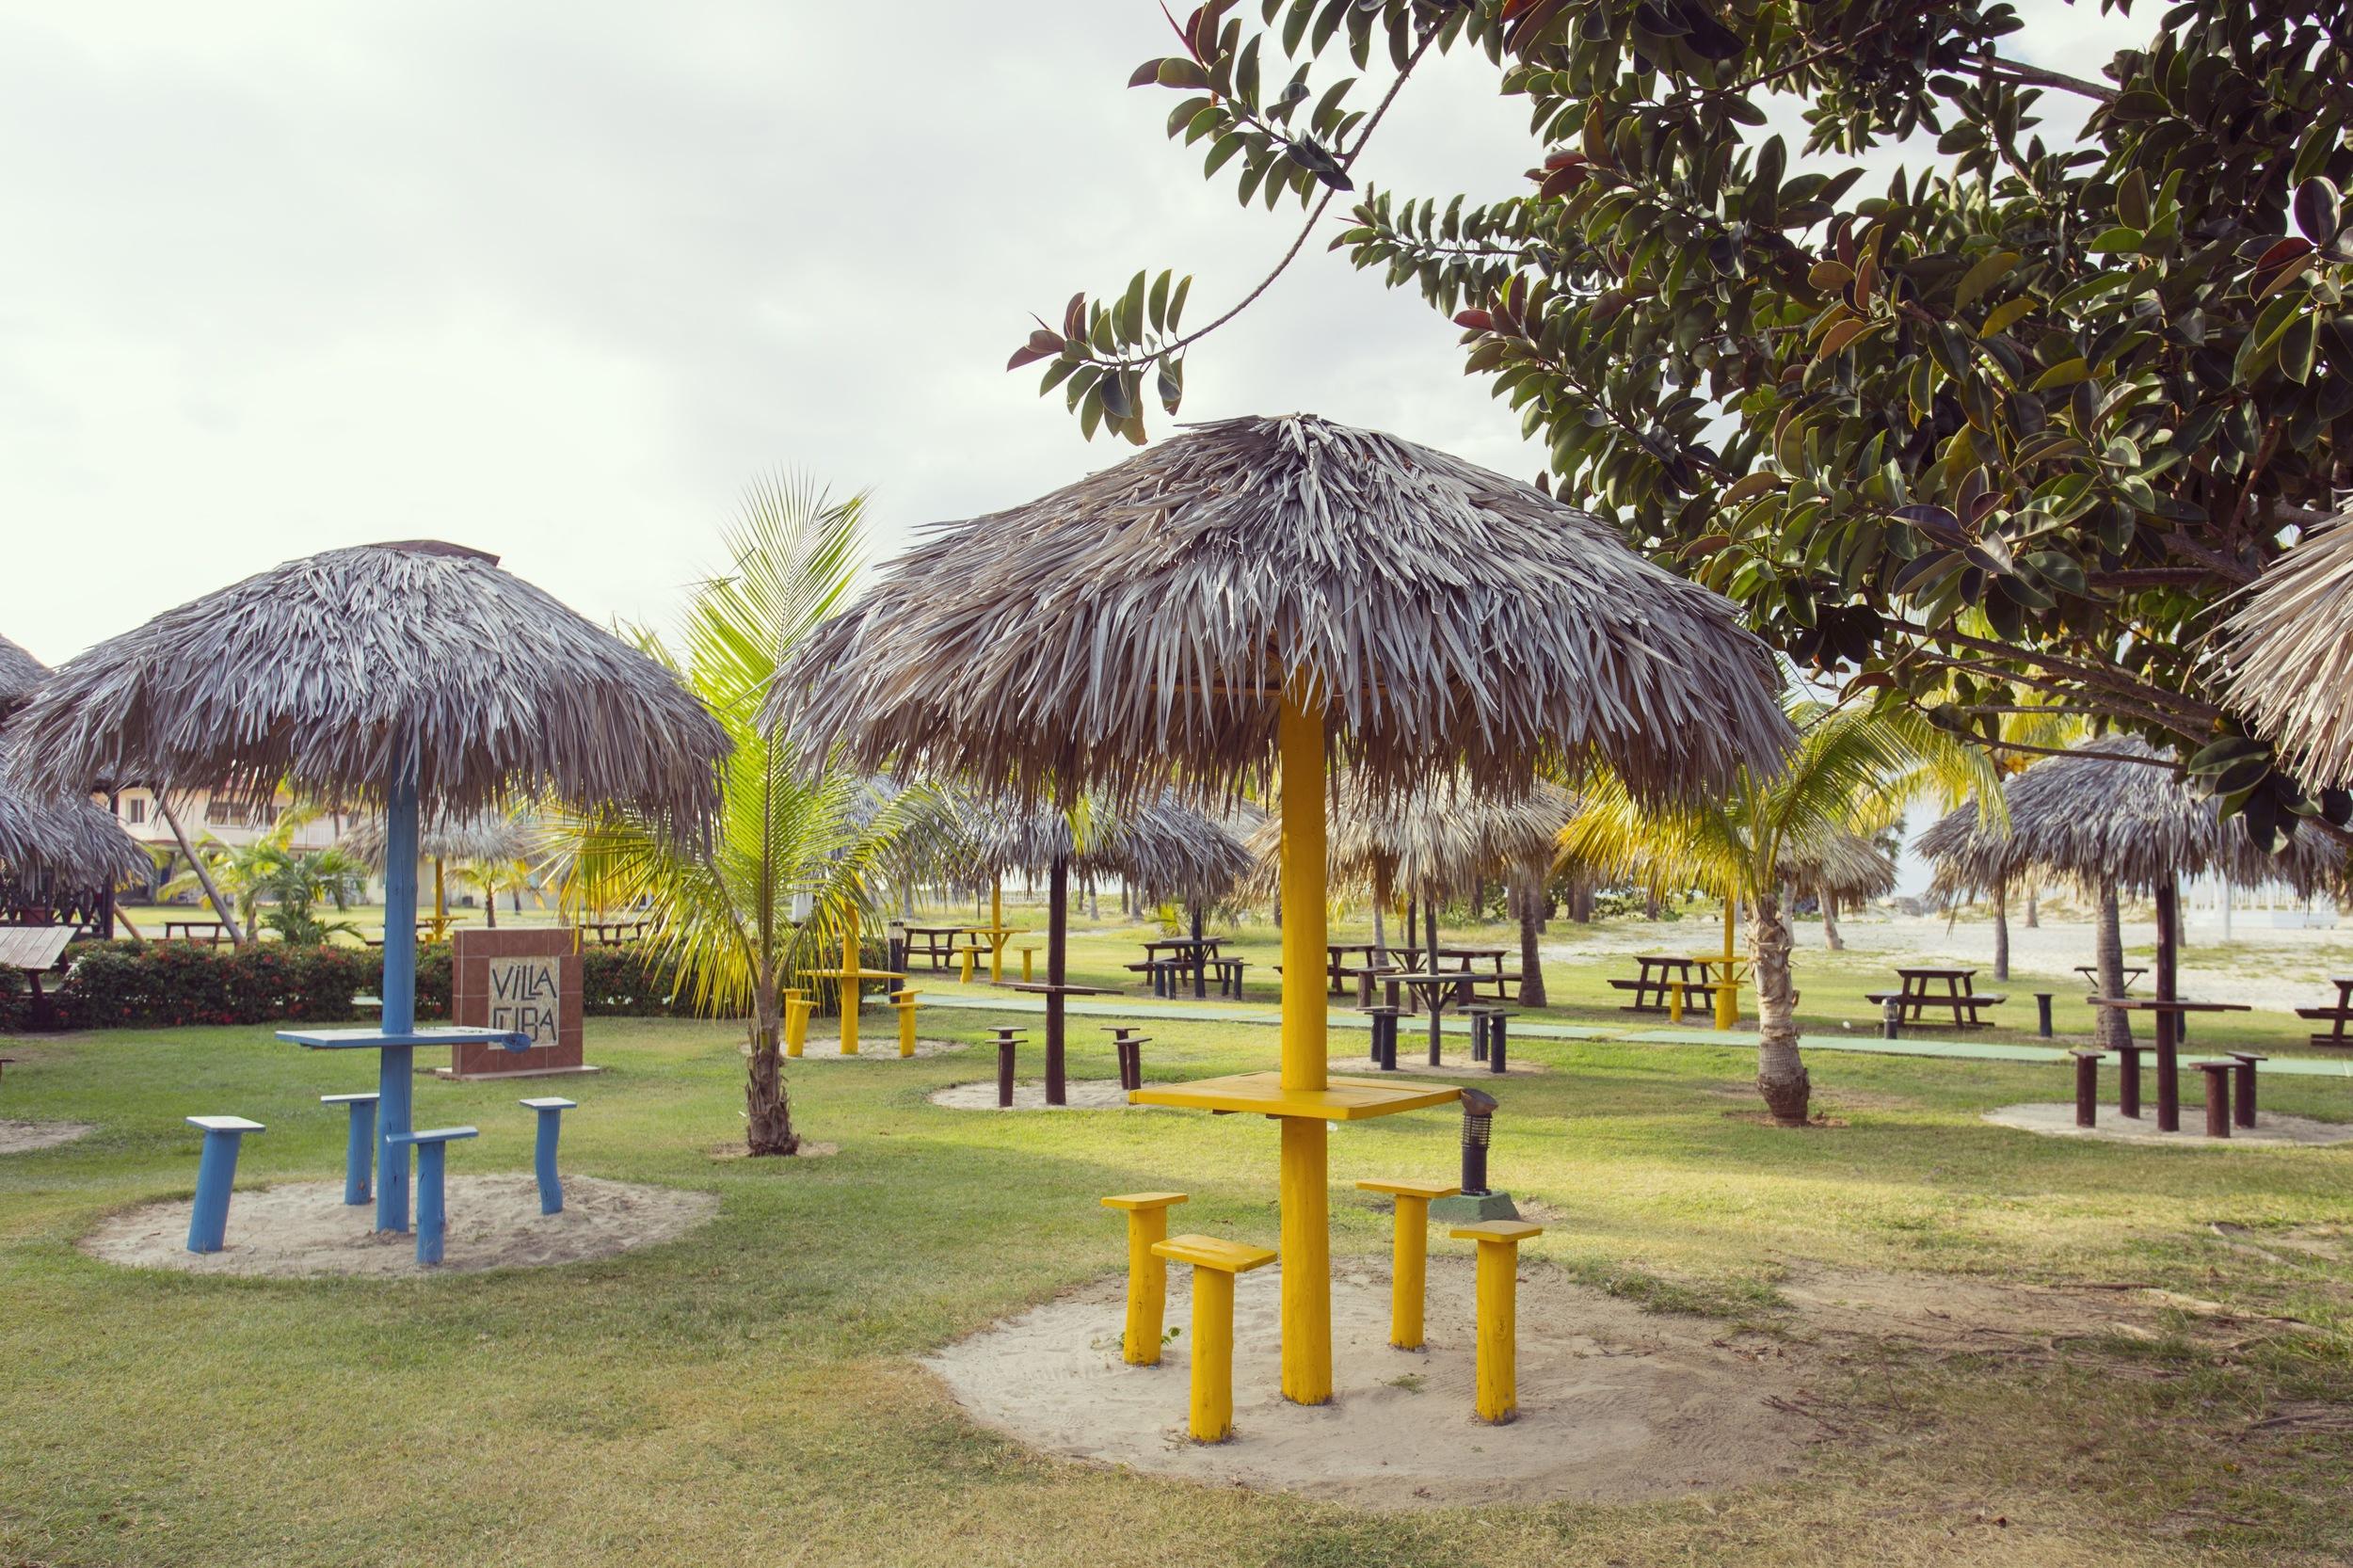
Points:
(1616, 1404)
(303, 1228)
(25, 1137)
(2269, 1132)
(1090, 1094)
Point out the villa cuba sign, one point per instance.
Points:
(526, 998)
(524, 981)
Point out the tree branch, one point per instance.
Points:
(2035, 76)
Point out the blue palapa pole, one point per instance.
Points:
(395, 1063)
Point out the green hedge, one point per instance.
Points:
(127, 985)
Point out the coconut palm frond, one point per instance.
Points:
(2288, 651)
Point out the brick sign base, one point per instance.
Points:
(524, 979)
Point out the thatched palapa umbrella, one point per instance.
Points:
(402, 675)
(1245, 601)
(478, 838)
(2114, 815)
(1433, 839)
(2289, 652)
(55, 846)
(1163, 845)
(1838, 866)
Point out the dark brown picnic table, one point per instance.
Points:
(2335, 1017)
(1917, 994)
(214, 933)
(1191, 955)
(1436, 988)
(1660, 973)
(2169, 1012)
(2091, 975)
(1495, 975)
(935, 944)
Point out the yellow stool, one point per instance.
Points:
(1029, 962)
(1498, 1312)
(1728, 1003)
(1410, 1267)
(1214, 1264)
(795, 1022)
(964, 964)
(1675, 1002)
(905, 1003)
(1147, 1275)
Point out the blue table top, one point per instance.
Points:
(377, 1039)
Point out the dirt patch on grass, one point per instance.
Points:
(303, 1229)
(1617, 1403)
(2269, 1132)
(1093, 1094)
(25, 1137)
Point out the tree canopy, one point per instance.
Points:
(1999, 431)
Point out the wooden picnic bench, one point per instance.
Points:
(1504, 981)
(1916, 998)
(2336, 1017)
(1661, 971)
(2091, 976)
(36, 950)
(211, 933)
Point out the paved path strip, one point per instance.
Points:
(1871, 1045)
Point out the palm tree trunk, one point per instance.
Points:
(1530, 895)
(1781, 1075)
(2114, 1027)
(767, 1104)
(2001, 930)
(490, 905)
(2034, 916)
(1830, 938)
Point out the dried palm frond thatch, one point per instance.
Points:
(1838, 863)
(1143, 621)
(2288, 649)
(1433, 839)
(487, 838)
(63, 841)
(1164, 848)
(20, 675)
(2106, 814)
(324, 673)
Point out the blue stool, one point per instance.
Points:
(360, 1152)
(216, 1173)
(551, 1109)
(432, 1147)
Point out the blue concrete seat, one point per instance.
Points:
(360, 1148)
(432, 1146)
(551, 1109)
(215, 1175)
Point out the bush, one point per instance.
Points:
(122, 984)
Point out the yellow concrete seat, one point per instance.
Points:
(1409, 1268)
(1215, 1263)
(1497, 1287)
(1029, 960)
(905, 1001)
(1147, 1273)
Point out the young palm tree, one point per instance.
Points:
(1852, 770)
(792, 826)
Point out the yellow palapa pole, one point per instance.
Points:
(849, 982)
(1305, 1199)
(996, 929)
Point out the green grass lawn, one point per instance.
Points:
(748, 1394)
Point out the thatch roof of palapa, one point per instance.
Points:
(69, 842)
(2114, 810)
(1162, 847)
(1141, 623)
(2288, 649)
(483, 838)
(323, 672)
(1839, 862)
(1438, 837)
(20, 675)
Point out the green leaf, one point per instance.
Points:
(1178, 72)
(1988, 270)
(2116, 240)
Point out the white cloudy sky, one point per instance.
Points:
(558, 280)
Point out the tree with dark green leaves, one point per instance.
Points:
(1997, 433)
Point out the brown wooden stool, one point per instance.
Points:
(2217, 1096)
(2243, 1103)
(2088, 1084)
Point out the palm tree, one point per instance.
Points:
(1852, 771)
(792, 826)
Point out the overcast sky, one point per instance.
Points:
(556, 280)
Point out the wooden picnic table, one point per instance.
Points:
(1435, 990)
(2335, 1017)
(1336, 956)
(2171, 1012)
(2091, 976)
(36, 950)
(935, 944)
(1959, 996)
(1495, 975)
(213, 932)
(1192, 955)
(1659, 973)
(612, 933)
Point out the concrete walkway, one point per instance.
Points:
(1632, 1032)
